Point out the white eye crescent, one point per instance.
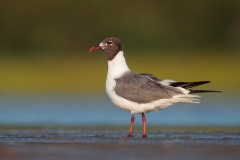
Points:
(109, 42)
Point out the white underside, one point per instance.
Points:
(116, 68)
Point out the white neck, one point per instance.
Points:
(117, 66)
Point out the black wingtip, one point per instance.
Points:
(188, 84)
(201, 91)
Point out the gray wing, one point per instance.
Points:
(143, 88)
(150, 76)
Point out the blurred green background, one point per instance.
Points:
(44, 45)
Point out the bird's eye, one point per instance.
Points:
(109, 42)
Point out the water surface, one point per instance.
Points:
(214, 110)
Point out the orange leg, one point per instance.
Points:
(144, 125)
(131, 126)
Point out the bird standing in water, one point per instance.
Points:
(141, 93)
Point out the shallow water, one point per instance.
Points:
(53, 144)
(108, 137)
(37, 128)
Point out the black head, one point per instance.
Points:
(110, 45)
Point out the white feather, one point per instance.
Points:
(166, 82)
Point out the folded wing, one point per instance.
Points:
(143, 88)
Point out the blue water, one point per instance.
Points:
(86, 110)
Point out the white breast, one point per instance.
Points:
(116, 68)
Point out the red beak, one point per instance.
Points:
(95, 48)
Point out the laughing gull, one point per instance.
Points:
(141, 93)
